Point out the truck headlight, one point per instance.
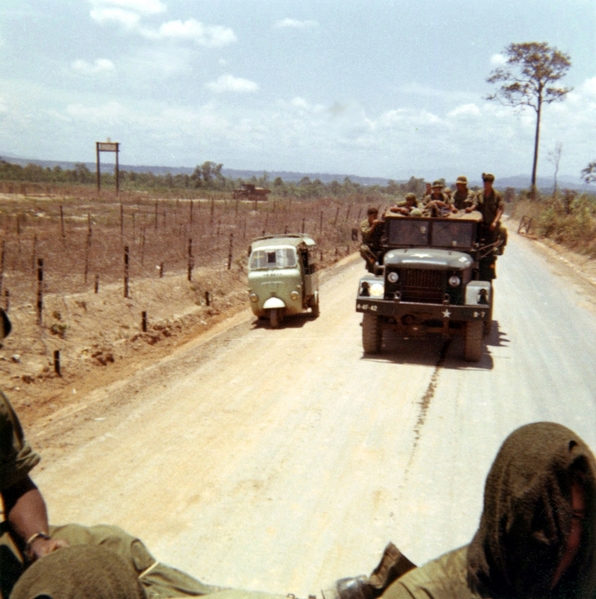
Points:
(393, 277)
(253, 297)
(454, 281)
(294, 295)
(377, 290)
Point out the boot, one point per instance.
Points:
(393, 564)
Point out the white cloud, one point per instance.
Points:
(211, 36)
(229, 83)
(465, 110)
(295, 24)
(498, 60)
(126, 18)
(101, 65)
(128, 14)
(146, 7)
(109, 113)
(588, 87)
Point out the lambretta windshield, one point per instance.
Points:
(269, 258)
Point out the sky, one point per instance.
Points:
(378, 88)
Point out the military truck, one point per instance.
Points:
(432, 276)
(251, 192)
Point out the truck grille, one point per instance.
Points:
(426, 286)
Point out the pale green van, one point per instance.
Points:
(282, 276)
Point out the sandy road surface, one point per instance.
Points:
(282, 459)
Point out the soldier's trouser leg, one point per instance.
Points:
(368, 256)
(503, 235)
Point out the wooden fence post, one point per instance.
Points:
(57, 362)
(126, 270)
(231, 251)
(88, 246)
(2, 259)
(62, 224)
(39, 290)
(190, 261)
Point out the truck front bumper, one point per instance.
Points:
(443, 312)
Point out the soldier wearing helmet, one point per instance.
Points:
(490, 204)
(406, 206)
(464, 198)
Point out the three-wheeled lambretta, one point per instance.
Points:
(282, 276)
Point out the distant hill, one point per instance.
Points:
(545, 184)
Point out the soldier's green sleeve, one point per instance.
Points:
(17, 458)
(159, 581)
(442, 578)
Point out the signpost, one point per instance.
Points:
(106, 146)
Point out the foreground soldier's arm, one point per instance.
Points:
(24, 507)
(27, 517)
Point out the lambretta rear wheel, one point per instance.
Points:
(275, 318)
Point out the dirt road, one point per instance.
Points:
(281, 460)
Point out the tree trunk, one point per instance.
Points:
(536, 144)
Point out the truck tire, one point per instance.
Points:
(275, 318)
(372, 334)
(314, 308)
(488, 324)
(473, 341)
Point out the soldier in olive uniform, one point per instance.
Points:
(490, 204)
(464, 198)
(406, 206)
(437, 203)
(537, 533)
(372, 231)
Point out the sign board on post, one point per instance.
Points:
(106, 146)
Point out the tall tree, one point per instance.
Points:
(528, 80)
(589, 173)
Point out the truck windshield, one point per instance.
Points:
(273, 258)
(441, 233)
(452, 234)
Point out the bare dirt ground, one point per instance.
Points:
(101, 341)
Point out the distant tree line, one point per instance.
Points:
(207, 176)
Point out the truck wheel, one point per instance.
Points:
(488, 324)
(473, 341)
(275, 318)
(372, 334)
(315, 310)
